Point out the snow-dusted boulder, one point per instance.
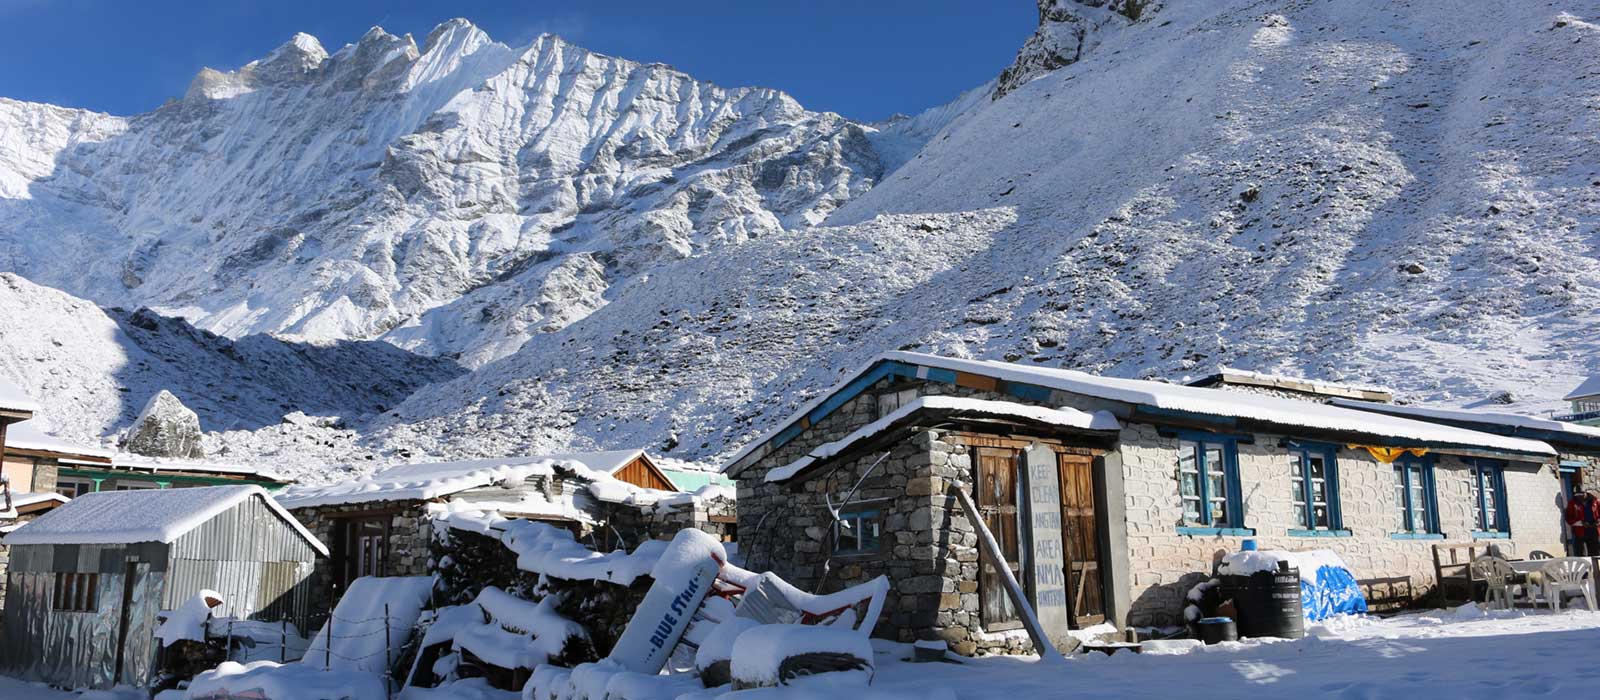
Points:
(166, 428)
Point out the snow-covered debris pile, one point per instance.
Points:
(422, 482)
(542, 548)
(1327, 586)
(269, 680)
(770, 655)
(371, 625)
(188, 622)
(714, 658)
(166, 428)
(518, 634)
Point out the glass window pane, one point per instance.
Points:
(1400, 498)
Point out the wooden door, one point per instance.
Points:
(997, 500)
(1081, 535)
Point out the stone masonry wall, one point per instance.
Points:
(409, 530)
(1166, 564)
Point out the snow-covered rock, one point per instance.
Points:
(166, 428)
(457, 198)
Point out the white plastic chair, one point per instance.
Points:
(1496, 576)
(1568, 575)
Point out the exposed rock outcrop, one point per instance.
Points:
(1067, 30)
(166, 428)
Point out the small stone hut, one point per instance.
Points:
(381, 525)
(1109, 497)
(88, 578)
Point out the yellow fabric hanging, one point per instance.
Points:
(1388, 455)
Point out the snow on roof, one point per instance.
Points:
(609, 462)
(1589, 387)
(1189, 399)
(150, 515)
(1471, 415)
(34, 434)
(419, 482)
(13, 398)
(1227, 372)
(1064, 417)
(29, 498)
(161, 464)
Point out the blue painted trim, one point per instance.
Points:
(1230, 475)
(1571, 465)
(1217, 531)
(1478, 535)
(1330, 461)
(937, 374)
(1030, 392)
(1416, 536)
(1431, 523)
(1319, 533)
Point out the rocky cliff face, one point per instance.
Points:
(454, 198)
(1067, 30)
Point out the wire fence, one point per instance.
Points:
(349, 640)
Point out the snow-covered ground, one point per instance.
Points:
(1462, 654)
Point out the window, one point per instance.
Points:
(1208, 482)
(1489, 496)
(859, 529)
(136, 485)
(76, 592)
(1315, 470)
(1416, 509)
(73, 488)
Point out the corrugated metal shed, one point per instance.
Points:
(251, 552)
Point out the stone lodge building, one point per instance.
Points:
(1109, 497)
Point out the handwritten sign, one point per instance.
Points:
(1047, 565)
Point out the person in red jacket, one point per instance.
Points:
(1583, 517)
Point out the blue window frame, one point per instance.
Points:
(858, 530)
(1314, 472)
(1416, 501)
(1489, 496)
(1208, 480)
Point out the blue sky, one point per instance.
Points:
(865, 59)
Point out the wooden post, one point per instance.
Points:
(388, 658)
(1030, 620)
(283, 641)
(327, 649)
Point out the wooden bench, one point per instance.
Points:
(1387, 594)
(1452, 567)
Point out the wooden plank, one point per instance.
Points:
(1080, 530)
(997, 505)
(977, 381)
(1041, 642)
(1048, 565)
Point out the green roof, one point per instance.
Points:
(688, 480)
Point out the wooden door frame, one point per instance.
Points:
(1096, 499)
(1023, 534)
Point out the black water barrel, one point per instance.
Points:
(1267, 603)
(1218, 629)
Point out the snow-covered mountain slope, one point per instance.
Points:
(1405, 193)
(454, 198)
(93, 369)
